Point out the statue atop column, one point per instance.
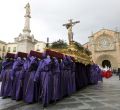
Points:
(27, 16)
(27, 7)
(69, 28)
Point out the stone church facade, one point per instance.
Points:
(105, 48)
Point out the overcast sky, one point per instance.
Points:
(47, 17)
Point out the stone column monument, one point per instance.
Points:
(25, 41)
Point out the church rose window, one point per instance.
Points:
(104, 43)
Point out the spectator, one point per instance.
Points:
(119, 73)
(113, 71)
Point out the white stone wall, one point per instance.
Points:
(40, 46)
(12, 47)
(2, 48)
(25, 46)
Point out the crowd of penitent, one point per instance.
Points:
(44, 77)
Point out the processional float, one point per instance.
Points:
(74, 49)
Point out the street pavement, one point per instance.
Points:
(103, 96)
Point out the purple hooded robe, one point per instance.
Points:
(16, 77)
(67, 76)
(94, 74)
(45, 77)
(29, 84)
(6, 78)
(56, 79)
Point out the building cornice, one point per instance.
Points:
(3, 42)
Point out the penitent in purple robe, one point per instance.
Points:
(45, 77)
(5, 77)
(78, 77)
(81, 76)
(25, 75)
(67, 73)
(0, 66)
(37, 80)
(94, 74)
(64, 78)
(16, 77)
(56, 79)
(88, 73)
(85, 79)
(30, 86)
(100, 78)
(72, 83)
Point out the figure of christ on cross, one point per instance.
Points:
(69, 28)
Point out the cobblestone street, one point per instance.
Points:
(104, 96)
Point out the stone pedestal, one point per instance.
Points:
(25, 44)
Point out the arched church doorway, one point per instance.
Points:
(106, 63)
(107, 60)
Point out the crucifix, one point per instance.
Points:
(69, 28)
